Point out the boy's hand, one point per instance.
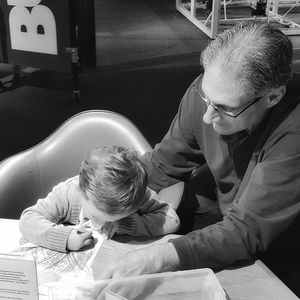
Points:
(78, 239)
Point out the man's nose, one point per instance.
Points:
(211, 115)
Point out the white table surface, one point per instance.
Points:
(255, 281)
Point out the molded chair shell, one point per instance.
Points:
(31, 174)
(27, 176)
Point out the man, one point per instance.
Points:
(241, 122)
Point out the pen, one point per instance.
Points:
(81, 225)
(109, 295)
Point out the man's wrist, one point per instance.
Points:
(174, 262)
(166, 258)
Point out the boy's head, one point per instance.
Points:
(113, 179)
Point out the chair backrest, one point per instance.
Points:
(31, 174)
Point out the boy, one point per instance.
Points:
(110, 194)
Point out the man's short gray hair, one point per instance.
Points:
(253, 56)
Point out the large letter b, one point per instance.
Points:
(35, 31)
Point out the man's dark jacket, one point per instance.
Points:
(257, 176)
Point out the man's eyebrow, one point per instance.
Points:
(212, 102)
(220, 105)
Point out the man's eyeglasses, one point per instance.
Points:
(219, 108)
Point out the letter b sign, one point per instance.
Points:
(33, 30)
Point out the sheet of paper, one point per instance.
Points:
(96, 249)
(58, 269)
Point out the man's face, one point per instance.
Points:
(221, 94)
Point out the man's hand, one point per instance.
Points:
(153, 259)
(78, 239)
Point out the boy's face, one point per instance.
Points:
(98, 218)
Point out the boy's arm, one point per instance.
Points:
(154, 218)
(42, 223)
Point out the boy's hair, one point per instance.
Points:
(114, 179)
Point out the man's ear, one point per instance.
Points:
(275, 95)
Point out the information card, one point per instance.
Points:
(18, 277)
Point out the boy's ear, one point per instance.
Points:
(275, 95)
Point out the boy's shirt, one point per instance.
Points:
(46, 222)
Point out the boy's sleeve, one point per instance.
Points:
(42, 223)
(154, 218)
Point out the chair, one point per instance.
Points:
(31, 174)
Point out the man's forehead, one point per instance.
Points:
(220, 90)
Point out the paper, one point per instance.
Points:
(58, 269)
(18, 277)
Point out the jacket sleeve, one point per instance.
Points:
(42, 223)
(268, 205)
(154, 218)
(178, 154)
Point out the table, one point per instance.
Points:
(255, 281)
